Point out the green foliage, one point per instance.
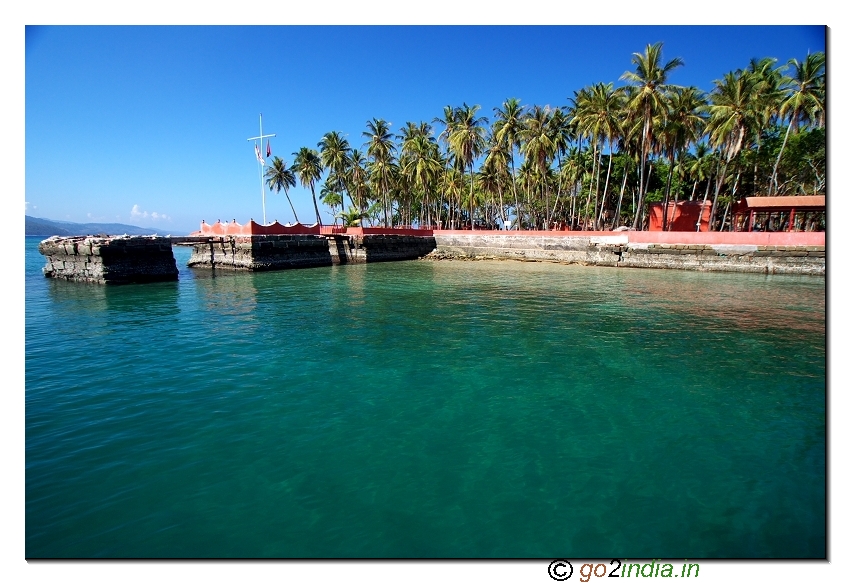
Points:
(758, 131)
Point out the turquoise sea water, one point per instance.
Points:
(426, 409)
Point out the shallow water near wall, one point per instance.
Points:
(426, 409)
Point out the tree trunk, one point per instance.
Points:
(667, 192)
(589, 190)
(620, 201)
(773, 178)
(717, 186)
(705, 197)
(316, 205)
(286, 192)
(731, 200)
(607, 180)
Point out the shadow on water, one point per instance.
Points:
(160, 298)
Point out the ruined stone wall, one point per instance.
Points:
(618, 251)
(796, 259)
(262, 252)
(562, 249)
(397, 247)
(109, 260)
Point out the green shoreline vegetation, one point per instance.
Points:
(595, 163)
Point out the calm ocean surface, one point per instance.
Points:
(426, 409)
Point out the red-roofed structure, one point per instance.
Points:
(780, 213)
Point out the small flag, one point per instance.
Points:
(259, 156)
(268, 148)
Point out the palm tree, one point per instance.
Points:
(279, 177)
(806, 100)
(647, 101)
(329, 195)
(357, 180)
(768, 97)
(308, 167)
(682, 126)
(351, 217)
(496, 165)
(538, 147)
(599, 115)
(335, 152)
(561, 133)
(420, 163)
(509, 123)
(448, 122)
(467, 142)
(381, 149)
(732, 117)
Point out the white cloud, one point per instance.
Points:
(135, 212)
(29, 206)
(138, 213)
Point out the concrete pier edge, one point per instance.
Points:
(116, 260)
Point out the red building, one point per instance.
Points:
(681, 216)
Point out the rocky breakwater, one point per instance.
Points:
(261, 252)
(109, 260)
(771, 253)
(602, 250)
(771, 259)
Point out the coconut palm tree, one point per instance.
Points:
(448, 123)
(732, 117)
(647, 101)
(467, 143)
(768, 98)
(683, 124)
(351, 217)
(308, 166)
(335, 153)
(539, 148)
(561, 134)
(279, 177)
(329, 194)
(496, 161)
(421, 165)
(806, 99)
(599, 115)
(381, 149)
(509, 123)
(358, 180)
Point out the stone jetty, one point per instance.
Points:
(109, 260)
(112, 260)
(771, 253)
(274, 252)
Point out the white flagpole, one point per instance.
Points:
(259, 151)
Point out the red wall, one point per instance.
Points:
(674, 237)
(680, 237)
(682, 216)
(252, 228)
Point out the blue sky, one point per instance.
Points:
(148, 125)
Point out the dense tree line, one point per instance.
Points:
(595, 163)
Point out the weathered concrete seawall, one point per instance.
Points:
(261, 252)
(373, 248)
(109, 260)
(273, 252)
(741, 252)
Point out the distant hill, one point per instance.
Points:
(48, 228)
